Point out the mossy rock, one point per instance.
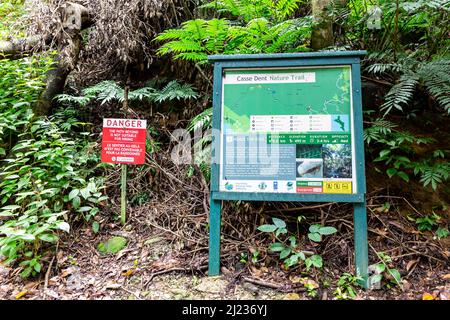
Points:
(112, 246)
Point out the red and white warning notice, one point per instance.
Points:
(124, 141)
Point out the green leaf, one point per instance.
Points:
(403, 175)
(285, 253)
(26, 272)
(76, 202)
(379, 267)
(314, 228)
(95, 226)
(11, 208)
(316, 237)
(277, 247)
(73, 193)
(85, 193)
(396, 275)
(384, 153)
(375, 279)
(279, 223)
(12, 177)
(64, 226)
(84, 209)
(316, 261)
(391, 172)
(48, 237)
(37, 267)
(327, 230)
(267, 228)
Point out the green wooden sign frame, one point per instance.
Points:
(295, 60)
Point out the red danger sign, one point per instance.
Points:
(124, 141)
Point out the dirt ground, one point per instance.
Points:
(152, 267)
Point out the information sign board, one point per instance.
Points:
(288, 130)
(288, 127)
(124, 141)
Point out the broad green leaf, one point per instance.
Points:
(285, 253)
(379, 267)
(11, 208)
(48, 237)
(316, 237)
(277, 247)
(391, 172)
(384, 153)
(85, 193)
(64, 226)
(84, 209)
(403, 175)
(37, 267)
(327, 230)
(375, 279)
(95, 226)
(279, 223)
(76, 202)
(314, 228)
(267, 228)
(316, 261)
(12, 177)
(396, 275)
(73, 194)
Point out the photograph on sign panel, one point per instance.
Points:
(309, 168)
(337, 161)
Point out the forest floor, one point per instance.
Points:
(152, 267)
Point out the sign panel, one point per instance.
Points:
(124, 141)
(287, 130)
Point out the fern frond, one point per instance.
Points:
(216, 31)
(110, 91)
(202, 120)
(192, 56)
(146, 93)
(379, 129)
(380, 68)
(171, 34)
(400, 94)
(436, 79)
(285, 8)
(195, 28)
(175, 91)
(67, 98)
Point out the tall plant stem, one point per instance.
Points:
(395, 39)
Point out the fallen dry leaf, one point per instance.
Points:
(291, 296)
(427, 296)
(129, 272)
(113, 286)
(446, 276)
(411, 264)
(296, 279)
(21, 294)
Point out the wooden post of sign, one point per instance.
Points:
(123, 198)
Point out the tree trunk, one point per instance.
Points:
(75, 18)
(322, 34)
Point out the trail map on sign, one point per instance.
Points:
(287, 131)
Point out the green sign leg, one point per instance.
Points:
(123, 197)
(361, 244)
(214, 238)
